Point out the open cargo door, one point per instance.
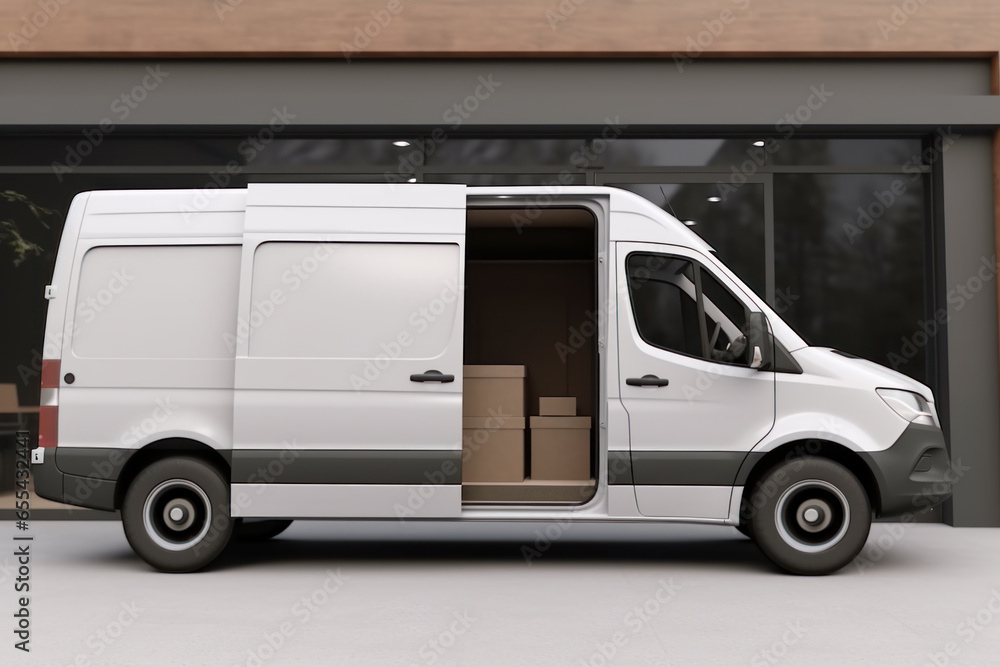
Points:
(348, 390)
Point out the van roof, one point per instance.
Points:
(382, 195)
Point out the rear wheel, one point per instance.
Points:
(810, 515)
(258, 530)
(176, 514)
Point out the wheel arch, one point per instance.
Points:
(756, 465)
(221, 460)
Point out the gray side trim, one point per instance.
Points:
(89, 491)
(285, 466)
(751, 461)
(563, 93)
(95, 462)
(619, 467)
(677, 468)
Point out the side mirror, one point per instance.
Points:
(760, 341)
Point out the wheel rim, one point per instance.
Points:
(177, 514)
(812, 515)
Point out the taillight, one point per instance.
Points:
(50, 373)
(48, 413)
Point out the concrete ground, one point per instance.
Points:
(339, 593)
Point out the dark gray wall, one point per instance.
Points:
(972, 331)
(730, 93)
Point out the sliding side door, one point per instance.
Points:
(349, 352)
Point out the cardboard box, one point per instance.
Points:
(493, 449)
(574, 423)
(560, 448)
(493, 390)
(557, 406)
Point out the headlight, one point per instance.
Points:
(910, 406)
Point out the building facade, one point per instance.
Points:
(844, 163)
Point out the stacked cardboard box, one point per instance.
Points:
(493, 424)
(560, 441)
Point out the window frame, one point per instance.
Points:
(697, 268)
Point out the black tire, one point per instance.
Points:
(810, 516)
(745, 525)
(259, 530)
(176, 514)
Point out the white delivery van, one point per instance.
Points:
(222, 364)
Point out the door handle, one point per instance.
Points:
(431, 376)
(647, 381)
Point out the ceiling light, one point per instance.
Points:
(690, 223)
(401, 143)
(759, 143)
(714, 199)
(411, 180)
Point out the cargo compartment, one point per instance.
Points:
(530, 303)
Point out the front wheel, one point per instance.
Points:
(810, 515)
(176, 514)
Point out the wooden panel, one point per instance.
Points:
(495, 27)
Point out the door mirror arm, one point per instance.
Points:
(761, 342)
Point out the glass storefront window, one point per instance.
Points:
(862, 295)
(733, 225)
(772, 151)
(565, 178)
(849, 263)
(461, 152)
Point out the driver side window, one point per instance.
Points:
(681, 307)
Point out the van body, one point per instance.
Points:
(221, 363)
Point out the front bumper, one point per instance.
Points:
(914, 474)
